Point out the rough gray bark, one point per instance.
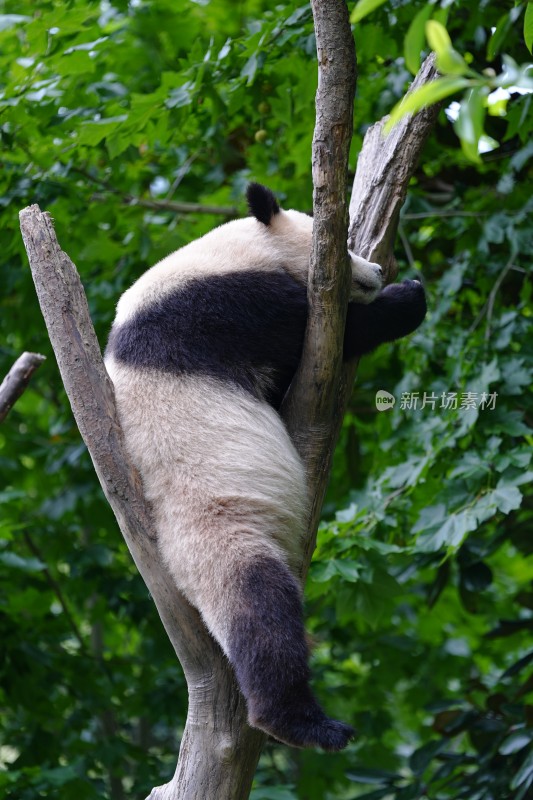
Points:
(17, 380)
(219, 751)
(384, 169)
(308, 409)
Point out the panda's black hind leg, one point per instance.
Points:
(268, 650)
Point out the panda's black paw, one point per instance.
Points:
(328, 734)
(334, 735)
(300, 722)
(406, 289)
(406, 305)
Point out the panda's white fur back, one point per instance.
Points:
(242, 244)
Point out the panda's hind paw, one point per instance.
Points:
(329, 735)
(312, 728)
(334, 735)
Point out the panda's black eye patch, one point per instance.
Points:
(261, 202)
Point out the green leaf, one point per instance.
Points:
(79, 62)
(92, 133)
(346, 568)
(497, 105)
(180, 96)
(370, 543)
(451, 534)
(469, 123)
(524, 773)
(88, 46)
(498, 37)
(323, 571)
(422, 757)
(363, 8)
(372, 776)
(349, 570)
(250, 68)
(514, 75)
(415, 39)
(117, 142)
(515, 742)
(438, 37)
(528, 26)
(507, 498)
(425, 96)
(25, 564)
(441, 14)
(272, 793)
(523, 792)
(449, 61)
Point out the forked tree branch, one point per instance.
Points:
(384, 169)
(219, 751)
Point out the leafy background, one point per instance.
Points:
(133, 123)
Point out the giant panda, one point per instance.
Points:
(201, 353)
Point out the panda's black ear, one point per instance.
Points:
(261, 202)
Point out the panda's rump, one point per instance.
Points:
(217, 464)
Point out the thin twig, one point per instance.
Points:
(489, 305)
(180, 174)
(494, 291)
(406, 246)
(157, 205)
(450, 213)
(55, 587)
(179, 208)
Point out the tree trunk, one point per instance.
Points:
(309, 407)
(219, 751)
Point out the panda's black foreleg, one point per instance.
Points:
(397, 311)
(267, 647)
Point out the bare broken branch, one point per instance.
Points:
(17, 380)
(385, 166)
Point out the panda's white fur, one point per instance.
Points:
(226, 485)
(224, 480)
(244, 244)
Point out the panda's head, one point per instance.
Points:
(295, 230)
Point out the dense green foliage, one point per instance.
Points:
(420, 597)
